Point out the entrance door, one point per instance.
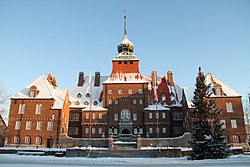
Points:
(49, 143)
(125, 131)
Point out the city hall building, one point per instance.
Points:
(124, 105)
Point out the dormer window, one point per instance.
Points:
(33, 91)
(95, 103)
(79, 95)
(88, 95)
(172, 94)
(77, 103)
(173, 102)
(86, 103)
(163, 96)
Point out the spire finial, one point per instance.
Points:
(125, 25)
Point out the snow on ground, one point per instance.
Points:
(13, 160)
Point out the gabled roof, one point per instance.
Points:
(45, 91)
(211, 79)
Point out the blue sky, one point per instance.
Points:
(66, 37)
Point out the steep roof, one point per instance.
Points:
(45, 91)
(211, 79)
(80, 93)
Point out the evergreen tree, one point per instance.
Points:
(207, 134)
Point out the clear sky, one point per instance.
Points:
(65, 37)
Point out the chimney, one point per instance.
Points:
(170, 80)
(97, 79)
(81, 79)
(154, 78)
(53, 82)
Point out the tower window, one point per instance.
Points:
(131, 62)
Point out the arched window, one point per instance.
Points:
(163, 96)
(38, 140)
(16, 140)
(88, 95)
(125, 114)
(33, 91)
(27, 140)
(236, 138)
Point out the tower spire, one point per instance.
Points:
(125, 26)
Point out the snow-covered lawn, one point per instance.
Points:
(12, 160)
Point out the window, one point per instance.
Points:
(233, 123)
(116, 117)
(141, 131)
(87, 115)
(115, 131)
(163, 115)
(28, 125)
(87, 130)
(16, 140)
(135, 117)
(18, 125)
(100, 130)
(173, 102)
(38, 140)
(116, 101)
(75, 130)
(236, 138)
(93, 116)
(110, 131)
(87, 95)
(157, 115)
(135, 131)
(125, 114)
(86, 103)
(95, 103)
(218, 91)
(76, 117)
(130, 91)
(77, 103)
(21, 109)
(131, 62)
(119, 91)
(93, 130)
(223, 124)
(176, 130)
(177, 116)
(110, 101)
(100, 115)
(140, 91)
(140, 101)
(79, 95)
(27, 140)
(164, 130)
(39, 126)
(150, 115)
(50, 126)
(70, 131)
(33, 91)
(163, 96)
(150, 130)
(134, 101)
(229, 106)
(39, 109)
(110, 91)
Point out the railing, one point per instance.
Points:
(125, 137)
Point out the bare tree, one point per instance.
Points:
(3, 102)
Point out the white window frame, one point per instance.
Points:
(100, 115)
(130, 91)
(140, 131)
(16, 139)
(38, 140)
(125, 114)
(134, 116)
(75, 131)
(87, 115)
(223, 122)
(135, 131)
(27, 140)
(50, 126)
(93, 130)
(39, 125)
(134, 101)
(70, 131)
(236, 138)
(234, 123)
(110, 101)
(157, 115)
(164, 130)
(116, 117)
(100, 130)
(21, 109)
(140, 101)
(87, 130)
(28, 125)
(163, 114)
(120, 91)
(18, 125)
(229, 106)
(115, 131)
(116, 101)
(140, 91)
(93, 116)
(39, 109)
(150, 130)
(110, 131)
(150, 115)
(110, 91)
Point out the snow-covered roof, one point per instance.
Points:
(175, 89)
(94, 108)
(125, 78)
(127, 56)
(211, 79)
(82, 94)
(155, 107)
(45, 91)
(74, 103)
(189, 94)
